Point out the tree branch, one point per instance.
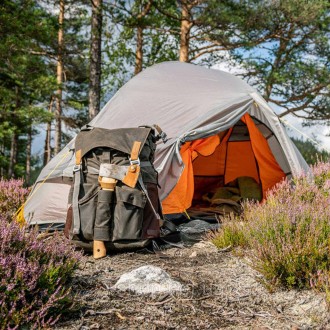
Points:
(145, 10)
(179, 19)
(206, 52)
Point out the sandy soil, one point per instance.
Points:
(222, 291)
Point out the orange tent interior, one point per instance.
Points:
(241, 151)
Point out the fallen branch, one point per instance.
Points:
(158, 303)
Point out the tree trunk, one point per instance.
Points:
(13, 155)
(186, 25)
(28, 156)
(94, 94)
(139, 37)
(2, 153)
(276, 64)
(47, 150)
(58, 111)
(139, 50)
(14, 138)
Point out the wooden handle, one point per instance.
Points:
(107, 183)
(99, 250)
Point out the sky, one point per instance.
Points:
(318, 134)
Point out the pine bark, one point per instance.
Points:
(58, 111)
(184, 32)
(28, 156)
(47, 150)
(94, 94)
(275, 65)
(139, 50)
(2, 153)
(14, 137)
(139, 37)
(13, 155)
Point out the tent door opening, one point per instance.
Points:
(221, 180)
(225, 169)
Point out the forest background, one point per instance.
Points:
(61, 60)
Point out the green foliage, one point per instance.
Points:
(28, 53)
(26, 79)
(287, 236)
(159, 43)
(289, 64)
(232, 235)
(310, 152)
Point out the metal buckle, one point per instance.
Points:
(76, 168)
(134, 162)
(163, 136)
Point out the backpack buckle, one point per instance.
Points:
(134, 162)
(76, 168)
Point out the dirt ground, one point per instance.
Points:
(222, 291)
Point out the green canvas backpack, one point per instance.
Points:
(114, 197)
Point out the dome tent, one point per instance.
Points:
(194, 106)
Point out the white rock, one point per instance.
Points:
(193, 255)
(147, 279)
(205, 246)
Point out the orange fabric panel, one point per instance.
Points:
(214, 164)
(269, 170)
(240, 161)
(181, 196)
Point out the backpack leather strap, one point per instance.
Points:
(133, 172)
(78, 157)
(135, 151)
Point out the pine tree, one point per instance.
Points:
(28, 58)
(95, 59)
(291, 66)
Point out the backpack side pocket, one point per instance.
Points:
(128, 214)
(87, 210)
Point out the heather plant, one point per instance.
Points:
(12, 196)
(35, 273)
(287, 236)
(231, 234)
(35, 276)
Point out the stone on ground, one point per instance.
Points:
(147, 279)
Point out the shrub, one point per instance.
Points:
(34, 273)
(231, 234)
(12, 196)
(288, 235)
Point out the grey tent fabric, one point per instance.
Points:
(188, 102)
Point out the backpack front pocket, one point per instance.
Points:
(87, 210)
(103, 215)
(128, 214)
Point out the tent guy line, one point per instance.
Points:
(305, 135)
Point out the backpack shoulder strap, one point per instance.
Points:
(76, 188)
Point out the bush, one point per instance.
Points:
(34, 273)
(288, 235)
(12, 196)
(231, 234)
